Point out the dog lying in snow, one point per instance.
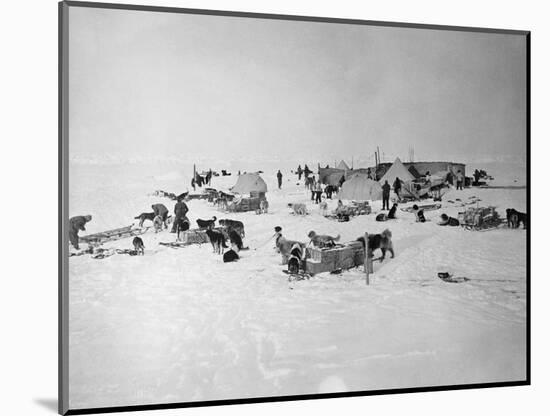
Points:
(319, 240)
(230, 255)
(380, 241)
(298, 209)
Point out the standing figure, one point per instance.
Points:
(318, 192)
(311, 183)
(449, 178)
(386, 188)
(477, 175)
(279, 178)
(180, 211)
(459, 180)
(307, 171)
(397, 187)
(329, 189)
(299, 171)
(77, 224)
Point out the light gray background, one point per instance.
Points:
(165, 84)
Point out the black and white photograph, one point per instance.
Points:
(257, 207)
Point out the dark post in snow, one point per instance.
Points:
(368, 258)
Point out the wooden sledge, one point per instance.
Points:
(480, 219)
(297, 276)
(194, 236)
(112, 235)
(425, 207)
(245, 204)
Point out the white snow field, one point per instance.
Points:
(179, 325)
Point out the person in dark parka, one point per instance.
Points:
(397, 187)
(180, 210)
(386, 188)
(161, 211)
(279, 178)
(77, 224)
(329, 189)
(307, 171)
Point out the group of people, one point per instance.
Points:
(459, 179)
(181, 222)
(316, 187)
(386, 189)
(199, 180)
(480, 174)
(306, 171)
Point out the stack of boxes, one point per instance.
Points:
(342, 257)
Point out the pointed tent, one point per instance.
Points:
(249, 182)
(360, 188)
(397, 170)
(343, 165)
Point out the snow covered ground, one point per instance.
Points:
(179, 325)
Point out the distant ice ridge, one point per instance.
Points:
(110, 159)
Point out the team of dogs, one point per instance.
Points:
(292, 251)
(235, 233)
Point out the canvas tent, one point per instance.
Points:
(360, 188)
(324, 173)
(343, 165)
(334, 179)
(249, 182)
(397, 170)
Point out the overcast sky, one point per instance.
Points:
(164, 84)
